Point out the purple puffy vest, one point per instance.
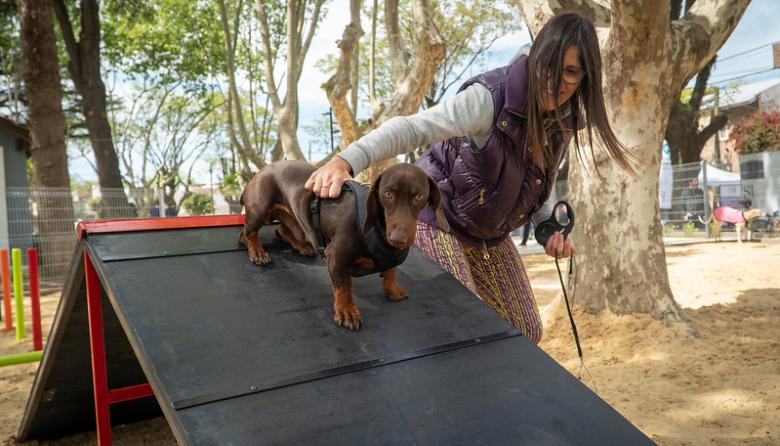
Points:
(489, 192)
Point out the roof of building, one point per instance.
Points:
(743, 94)
(17, 128)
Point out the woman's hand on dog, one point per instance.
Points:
(326, 181)
(559, 246)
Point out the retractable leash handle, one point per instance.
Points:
(545, 229)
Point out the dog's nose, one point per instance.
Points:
(397, 239)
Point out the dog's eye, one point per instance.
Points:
(387, 194)
(419, 197)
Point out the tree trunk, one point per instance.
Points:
(84, 69)
(411, 83)
(288, 128)
(297, 47)
(682, 132)
(621, 265)
(354, 11)
(622, 262)
(47, 128)
(234, 102)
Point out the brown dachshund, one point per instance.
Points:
(394, 202)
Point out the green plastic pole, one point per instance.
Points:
(18, 293)
(20, 358)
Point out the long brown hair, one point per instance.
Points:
(545, 68)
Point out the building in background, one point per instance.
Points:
(15, 147)
(743, 101)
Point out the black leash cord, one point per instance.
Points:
(568, 306)
(571, 320)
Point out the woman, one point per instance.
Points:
(497, 145)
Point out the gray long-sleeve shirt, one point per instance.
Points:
(468, 113)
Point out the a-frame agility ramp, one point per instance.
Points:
(168, 315)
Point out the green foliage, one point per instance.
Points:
(759, 132)
(166, 39)
(689, 227)
(198, 203)
(95, 204)
(231, 187)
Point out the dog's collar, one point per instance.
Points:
(383, 255)
(314, 210)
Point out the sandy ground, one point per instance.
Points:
(720, 388)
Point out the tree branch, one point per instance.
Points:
(700, 89)
(340, 83)
(309, 35)
(265, 33)
(399, 57)
(703, 29)
(539, 12)
(430, 53)
(717, 123)
(71, 45)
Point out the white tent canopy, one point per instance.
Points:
(717, 177)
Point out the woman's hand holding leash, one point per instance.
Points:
(559, 246)
(326, 181)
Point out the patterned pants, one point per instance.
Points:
(495, 274)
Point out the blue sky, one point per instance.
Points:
(759, 26)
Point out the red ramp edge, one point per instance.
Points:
(156, 223)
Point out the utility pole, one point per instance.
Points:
(211, 187)
(330, 115)
(715, 112)
(332, 131)
(776, 55)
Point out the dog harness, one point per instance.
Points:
(381, 253)
(729, 215)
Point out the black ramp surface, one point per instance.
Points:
(239, 354)
(505, 392)
(250, 355)
(265, 325)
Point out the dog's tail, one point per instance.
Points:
(707, 221)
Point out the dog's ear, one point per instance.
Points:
(373, 207)
(434, 200)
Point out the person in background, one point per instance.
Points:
(526, 233)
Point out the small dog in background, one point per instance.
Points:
(726, 214)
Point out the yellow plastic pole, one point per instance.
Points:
(16, 254)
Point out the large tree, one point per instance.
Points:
(299, 37)
(47, 125)
(646, 58)
(84, 70)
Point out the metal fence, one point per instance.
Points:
(688, 192)
(46, 218)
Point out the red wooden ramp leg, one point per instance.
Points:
(97, 347)
(103, 396)
(35, 298)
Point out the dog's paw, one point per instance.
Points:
(395, 292)
(348, 316)
(308, 251)
(260, 259)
